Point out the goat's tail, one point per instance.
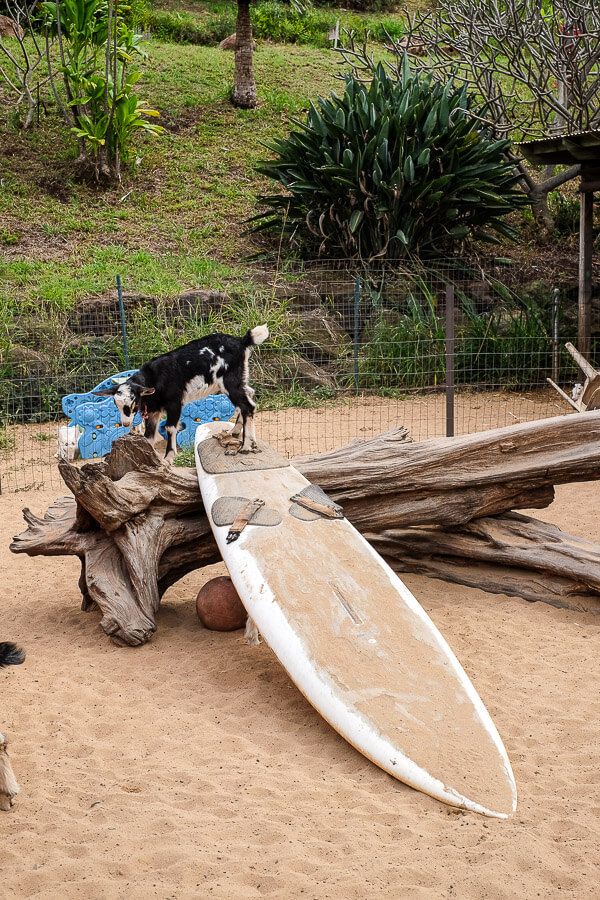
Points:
(255, 336)
(10, 655)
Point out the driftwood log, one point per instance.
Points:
(442, 507)
(587, 395)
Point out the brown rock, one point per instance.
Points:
(27, 362)
(8, 28)
(198, 302)
(230, 43)
(100, 315)
(322, 336)
(218, 606)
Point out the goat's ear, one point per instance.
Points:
(107, 392)
(146, 391)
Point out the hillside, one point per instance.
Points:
(177, 221)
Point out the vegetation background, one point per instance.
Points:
(177, 220)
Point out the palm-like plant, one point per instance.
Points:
(395, 167)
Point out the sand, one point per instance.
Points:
(192, 767)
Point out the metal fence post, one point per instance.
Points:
(357, 298)
(555, 345)
(449, 360)
(123, 322)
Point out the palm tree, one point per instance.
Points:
(244, 89)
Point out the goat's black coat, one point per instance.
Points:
(170, 373)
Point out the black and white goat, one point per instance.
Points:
(214, 364)
(10, 655)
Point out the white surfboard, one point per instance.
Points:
(351, 635)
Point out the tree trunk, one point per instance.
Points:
(440, 507)
(244, 90)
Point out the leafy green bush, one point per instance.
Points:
(405, 348)
(271, 20)
(389, 169)
(282, 23)
(185, 28)
(506, 348)
(565, 212)
(362, 5)
(96, 46)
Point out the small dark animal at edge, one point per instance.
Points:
(214, 364)
(10, 655)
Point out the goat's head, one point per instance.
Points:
(128, 397)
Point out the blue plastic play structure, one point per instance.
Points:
(100, 422)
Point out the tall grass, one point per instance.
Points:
(508, 347)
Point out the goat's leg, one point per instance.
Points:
(236, 431)
(249, 444)
(173, 415)
(251, 635)
(240, 395)
(151, 432)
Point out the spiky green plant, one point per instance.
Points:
(391, 168)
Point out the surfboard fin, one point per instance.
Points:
(243, 518)
(314, 499)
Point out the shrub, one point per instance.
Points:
(362, 5)
(271, 20)
(283, 23)
(506, 348)
(185, 28)
(565, 213)
(389, 169)
(96, 46)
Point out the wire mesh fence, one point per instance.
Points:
(353, 353)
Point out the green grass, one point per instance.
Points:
(175, 223)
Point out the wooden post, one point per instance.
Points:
(585, 272)
(449, 360)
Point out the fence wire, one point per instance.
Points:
(352, 354)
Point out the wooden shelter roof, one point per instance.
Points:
(563, 149)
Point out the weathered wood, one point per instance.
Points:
(452, 481)
(138, 526)
(510, 554)
(135, 535)
(564, 395)
(585, 366)
(589, 396)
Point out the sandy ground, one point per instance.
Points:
(192, 767)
